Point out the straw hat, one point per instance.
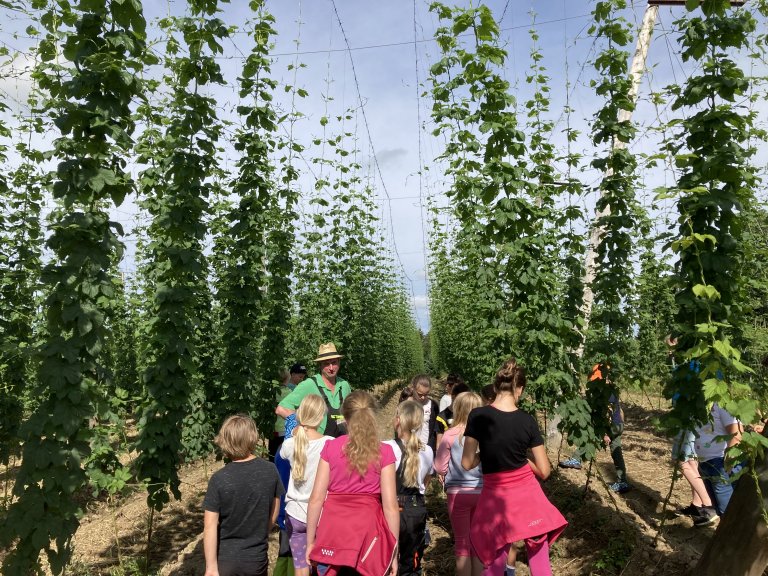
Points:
(327, 352)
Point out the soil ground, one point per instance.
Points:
(607, 534)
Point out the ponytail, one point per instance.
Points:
(309, 415)
(362, 449)
(411, 419)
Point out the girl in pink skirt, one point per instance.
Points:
(512, 505)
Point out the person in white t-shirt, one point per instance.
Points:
(302, 450)
(712, 440)
(413, 463)
(421, 385)
(447, 398)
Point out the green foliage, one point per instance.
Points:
(243, 283)
(618, 212)
(508, 294)
(176, 186)
(715, 184)
(88, 99)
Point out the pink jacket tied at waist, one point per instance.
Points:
(512, 507)
(353, 532)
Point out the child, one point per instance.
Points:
(599, 385)
(241, 504)
(447, 398)
(462, 487)
(302, 450)
(512, 505)
(445, 418)
(413, 461)
(355, 491)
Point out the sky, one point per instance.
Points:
(384, 76)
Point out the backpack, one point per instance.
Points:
(335, 425)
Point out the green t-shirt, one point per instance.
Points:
(282, 392)
(310, 386)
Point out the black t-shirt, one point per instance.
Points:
(504, 437)
(242, 493)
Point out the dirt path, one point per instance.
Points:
(607, 534)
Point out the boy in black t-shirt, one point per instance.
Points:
(241, 504)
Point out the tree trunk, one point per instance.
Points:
(739, 546)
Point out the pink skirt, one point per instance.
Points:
(512, 507)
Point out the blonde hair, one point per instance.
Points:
(411, 416)
(309, 415)
(362, 448)
(462, 406)
(238, 437)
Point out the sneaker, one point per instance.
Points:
(689, 510)
(620, 487)
(574, 463)
(705, 517)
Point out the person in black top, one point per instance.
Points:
(512, 505)
(241, 504)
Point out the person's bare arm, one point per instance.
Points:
(316, 499)
(735, 431)
(470, 457)
(540, 463)
(283, 412)
(210, 542)
(390, 506)
(274, 512)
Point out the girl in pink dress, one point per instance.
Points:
(353, 519)
(512, 505)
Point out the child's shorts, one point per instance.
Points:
(683, 449)
(297, 534)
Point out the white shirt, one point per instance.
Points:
(707, 445)
(297, 496)
(445, 401)
(424, 432)
(426, 461)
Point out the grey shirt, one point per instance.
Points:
(243, 493)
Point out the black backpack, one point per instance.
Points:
(335, 425)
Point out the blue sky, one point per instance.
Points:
(392, 51)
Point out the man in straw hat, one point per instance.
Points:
(328, 385)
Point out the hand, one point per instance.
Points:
(309, 550)
(441, 479)
(393, 568)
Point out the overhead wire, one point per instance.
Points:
(373, 149)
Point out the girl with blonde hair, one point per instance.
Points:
(462, 487)
(413, 461)
(512, 506)
(302, 450)
(355, 492)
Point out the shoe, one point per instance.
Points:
(574, 463)
(689, 510)
(705, 517)
(620, 487)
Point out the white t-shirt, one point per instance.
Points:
(426, 461)
(297, 496)
(424, 432)
(706, 444)
(445, 401)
